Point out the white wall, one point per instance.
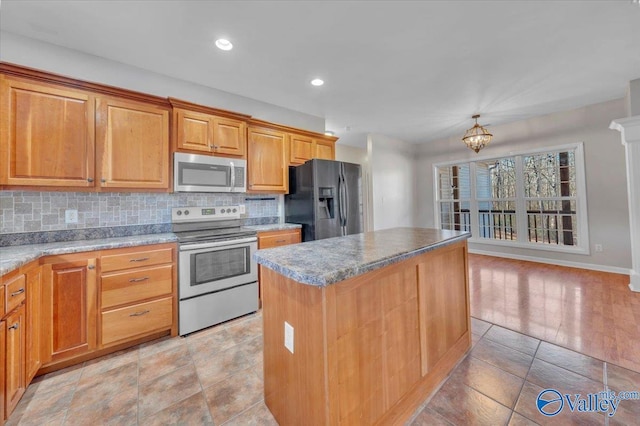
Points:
(393, 182)
(634, 97)
(605, 177)
(72, 63)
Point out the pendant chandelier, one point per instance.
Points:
(477, 137)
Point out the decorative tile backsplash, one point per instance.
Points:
(45, 211)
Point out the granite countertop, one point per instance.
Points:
(274, 227)
(15, 256)
(323, 262)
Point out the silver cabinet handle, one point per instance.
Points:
(137, 314)
(103, 180)
(142, 259)
(91, 267)
(89, 180)
(137, 280)
(15, 293)
(14, 326)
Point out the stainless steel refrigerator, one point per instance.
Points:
(325, 197)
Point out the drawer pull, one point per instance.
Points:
(142, 259)
(137, 280)
(14, 326)
(91, 267)
(137, 314)
(15, 293)
(281, 241)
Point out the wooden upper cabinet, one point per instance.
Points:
(267, 160)
(307, 147)
(230, 137)
(201, 129)
(325, 150)
(46, 135)
(132, 145)
(194, 131)
(302, 149)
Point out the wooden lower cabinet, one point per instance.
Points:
(34, 320)
(15, 383)
(3, 334)
(139, 319)
(269, 239)
(69, 306)
(277, 238)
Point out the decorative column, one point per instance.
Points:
(630, 130)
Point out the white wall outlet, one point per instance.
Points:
(288, 336)
(242, 209)
(598, 248)
(71, 216)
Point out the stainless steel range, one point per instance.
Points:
(218, 278)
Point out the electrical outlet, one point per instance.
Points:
(71, 216)
(288, 336)
(598, 248)
(242, 209)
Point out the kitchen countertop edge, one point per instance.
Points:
(13, 257)
(327, 275)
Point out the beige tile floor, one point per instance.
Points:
(215, 377)
(210, 377)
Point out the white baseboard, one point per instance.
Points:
(590, 266)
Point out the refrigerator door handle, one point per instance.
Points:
(341, 216)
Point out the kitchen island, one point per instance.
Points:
(361, 329)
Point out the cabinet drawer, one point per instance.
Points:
(124, 323)
(134, 285)
(15, 292)
(278, 239)
(115, 262)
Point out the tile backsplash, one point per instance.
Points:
(45, 211)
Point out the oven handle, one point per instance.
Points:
(189, 247)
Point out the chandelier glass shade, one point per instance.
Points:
(477, 137)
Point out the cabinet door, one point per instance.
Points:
(47, 135)
(69, 309)
(133, 145)
(325, 150)
(267, 162)
(34, 327)
(3, 352)
(230, 137)
(301, 149)
(195, 131)
(15, 347)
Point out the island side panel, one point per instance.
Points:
(294, 383)
(373, 343)
(444, 302)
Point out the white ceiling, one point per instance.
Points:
(414, 70)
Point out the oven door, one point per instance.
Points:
(214, 266)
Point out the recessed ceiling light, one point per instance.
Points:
(317, 82)
(224, 44)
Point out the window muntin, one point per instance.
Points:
(454, 193)
(531, 200)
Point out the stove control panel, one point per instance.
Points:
(192, 214)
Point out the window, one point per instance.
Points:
(534, 199)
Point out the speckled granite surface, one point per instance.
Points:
(332, 260)
(23, 238)
(275, 227)
(16, 256)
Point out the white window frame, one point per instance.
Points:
(522, 241)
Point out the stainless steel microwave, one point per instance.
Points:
(204, 173)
